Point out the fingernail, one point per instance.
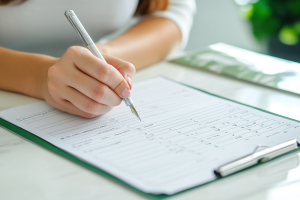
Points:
(126, 93)
(129, 81)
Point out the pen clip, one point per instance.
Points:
(259, 146)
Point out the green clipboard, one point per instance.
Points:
(39, 141)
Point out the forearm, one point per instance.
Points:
(146, 43)
(22, 72)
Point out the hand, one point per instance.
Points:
(82, 84)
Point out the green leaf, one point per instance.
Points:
(269, 18)
(296, 27)
(293, 6)
(287, 35)
(246, 11)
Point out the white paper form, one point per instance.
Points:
(184, 135)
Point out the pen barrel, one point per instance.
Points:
(93, 48)
(257, 157)
(128, 101)
(73, 19)
(236, 165)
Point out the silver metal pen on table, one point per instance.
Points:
(257, 157)
(70, 14)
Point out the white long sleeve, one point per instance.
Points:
(182, 13)
(179, 11)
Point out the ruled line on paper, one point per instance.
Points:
(184, 135)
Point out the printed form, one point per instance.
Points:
(184, 135)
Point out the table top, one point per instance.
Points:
(27, 171)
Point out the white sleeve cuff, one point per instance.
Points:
(182, 13)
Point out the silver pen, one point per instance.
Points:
(70, 14)
(256, 157)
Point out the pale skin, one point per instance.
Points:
(81, 84)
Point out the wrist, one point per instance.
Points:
(104, 49)
(42, 79)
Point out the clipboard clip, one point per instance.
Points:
(256, 157)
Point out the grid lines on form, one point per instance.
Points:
(184, 134)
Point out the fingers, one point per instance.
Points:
(125, 68)
(93, 89)
(86, 62)
(84, 85)
(84, 103)
(67, 106)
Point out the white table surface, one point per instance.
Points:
(27, 171)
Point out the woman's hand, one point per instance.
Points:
(82, 84)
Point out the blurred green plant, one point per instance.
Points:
(271, 18)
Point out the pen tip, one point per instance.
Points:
(133, 110)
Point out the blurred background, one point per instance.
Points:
(221, 21)
(266, 26)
